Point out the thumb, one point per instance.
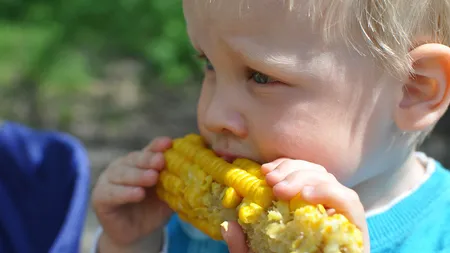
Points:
(234, 237)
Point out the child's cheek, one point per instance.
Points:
(332, 152)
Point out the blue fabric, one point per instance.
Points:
(418, 223)
(44, 190)
(180, 242)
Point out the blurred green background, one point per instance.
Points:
(55, 55)
(114, 73)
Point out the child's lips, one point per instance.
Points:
(226, 156)
(229, 159)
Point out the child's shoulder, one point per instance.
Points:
(415, 222)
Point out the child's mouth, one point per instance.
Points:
(226, 156)
(229, 159)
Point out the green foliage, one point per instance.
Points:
(19, 48)
(48, 48)
(69, 74)
(150, 31)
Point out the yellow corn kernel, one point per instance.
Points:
(296, 202)
(224, 225)
(194, 196)
(205, 191)
(195, 139)
(230, 198)
(250, 166)
(250, 212)
(172, 182)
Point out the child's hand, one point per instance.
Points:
(289, 177)
(124, 198)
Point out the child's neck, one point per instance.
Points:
(380, 191)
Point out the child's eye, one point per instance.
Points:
(262, 78)
(209, 65)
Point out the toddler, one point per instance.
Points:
(332, 97)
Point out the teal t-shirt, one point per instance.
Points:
(417, 223)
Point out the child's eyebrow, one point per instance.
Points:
(271, 63)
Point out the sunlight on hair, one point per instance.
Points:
(390, 28)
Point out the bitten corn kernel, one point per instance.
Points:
(206, 191)
(231, 199)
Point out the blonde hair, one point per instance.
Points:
(390, 28)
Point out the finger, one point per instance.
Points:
(115, 195)
(234, 237)
(145, 160)
(159, 144)
(268, 167)
(282, 167)
(132, 176)
(153, 161)
(293, 183)
(280, 172)
(344, 200)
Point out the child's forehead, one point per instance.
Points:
(242, 14)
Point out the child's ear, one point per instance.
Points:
(426, 94)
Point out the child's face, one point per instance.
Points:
(274, 89)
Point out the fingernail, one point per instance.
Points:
(307, 190)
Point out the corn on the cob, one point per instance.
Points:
(205, 191)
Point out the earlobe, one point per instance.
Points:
(426, 94)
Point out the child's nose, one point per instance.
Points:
(221, 117)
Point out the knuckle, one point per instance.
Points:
(119, 175)
(331, 177)
(154, 143)
(320, 181)
(113, 165)
(317, 167)
(288, 166)
(144, 159)
(353, 195)
(293, 163)
(321, 168)
(292, 177)
(132, 156)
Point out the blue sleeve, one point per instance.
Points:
(180, 242)
(44, 190)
